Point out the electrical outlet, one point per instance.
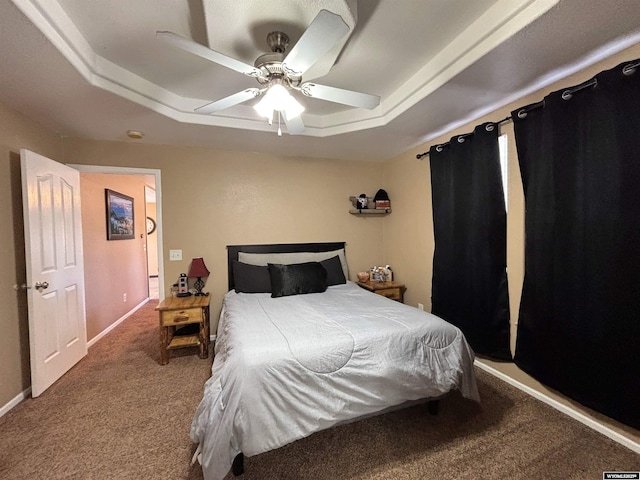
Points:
(420, 306)
(175, 255)
(124, 297)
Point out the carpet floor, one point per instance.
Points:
(119, 414)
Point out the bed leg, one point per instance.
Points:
(237, 467)
(433, 406)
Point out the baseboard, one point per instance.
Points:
(567, 410)
(15, 401)
(116, 323)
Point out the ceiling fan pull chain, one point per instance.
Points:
(279, 129)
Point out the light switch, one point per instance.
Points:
(175, 255)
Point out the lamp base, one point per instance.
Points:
(198, 286)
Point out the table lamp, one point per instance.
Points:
(198, 270)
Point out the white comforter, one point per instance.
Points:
(287, 367)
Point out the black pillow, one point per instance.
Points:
(251, 278)
(297, 278)
(335, 274)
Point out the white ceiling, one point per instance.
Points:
(95, 69)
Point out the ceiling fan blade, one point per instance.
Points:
(339, 95)
(229, 101)
(322, 34)
(204, 52)
(295, 125)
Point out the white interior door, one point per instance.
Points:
(55, 270)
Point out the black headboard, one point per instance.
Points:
(233, 250)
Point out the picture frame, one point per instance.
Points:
(120, 215)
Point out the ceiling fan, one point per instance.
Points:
(279, 73)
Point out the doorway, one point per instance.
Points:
(121, 269)
(151, 211)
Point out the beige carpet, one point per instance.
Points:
(120, 415)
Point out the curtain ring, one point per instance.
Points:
(460, 139)
(522, 113)
(630, 69)
(490, 127)
(568, 93)
(438, 148)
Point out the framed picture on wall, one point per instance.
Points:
(120, 224)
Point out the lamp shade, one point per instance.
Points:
(198, 268)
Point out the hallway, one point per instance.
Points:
(154, 289)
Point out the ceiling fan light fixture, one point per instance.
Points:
(264, 109)
(274, 99)
(278, 99)
(293, 108)
(278, 96)
(279, 72)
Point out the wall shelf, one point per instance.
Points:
(370, 211)
(367, 211)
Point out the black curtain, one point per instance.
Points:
(579, 323)
(469, 263)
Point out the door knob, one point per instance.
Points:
(22, 286)
(42, 285)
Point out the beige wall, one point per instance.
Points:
(112, 267)
(16, 132)
(211, 199)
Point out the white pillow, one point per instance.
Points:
(262, 259)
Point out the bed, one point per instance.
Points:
(296, 359)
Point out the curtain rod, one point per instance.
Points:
(628, 69)
(504, 120)
(566, 95)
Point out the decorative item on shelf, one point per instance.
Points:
(183, 286)
(377, 275)
(363, 276)
(381, 200)
(363, 201)
(198, 270)
(363, 205)
(381, 274)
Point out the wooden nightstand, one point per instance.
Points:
(178, 312)
(392, 290)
